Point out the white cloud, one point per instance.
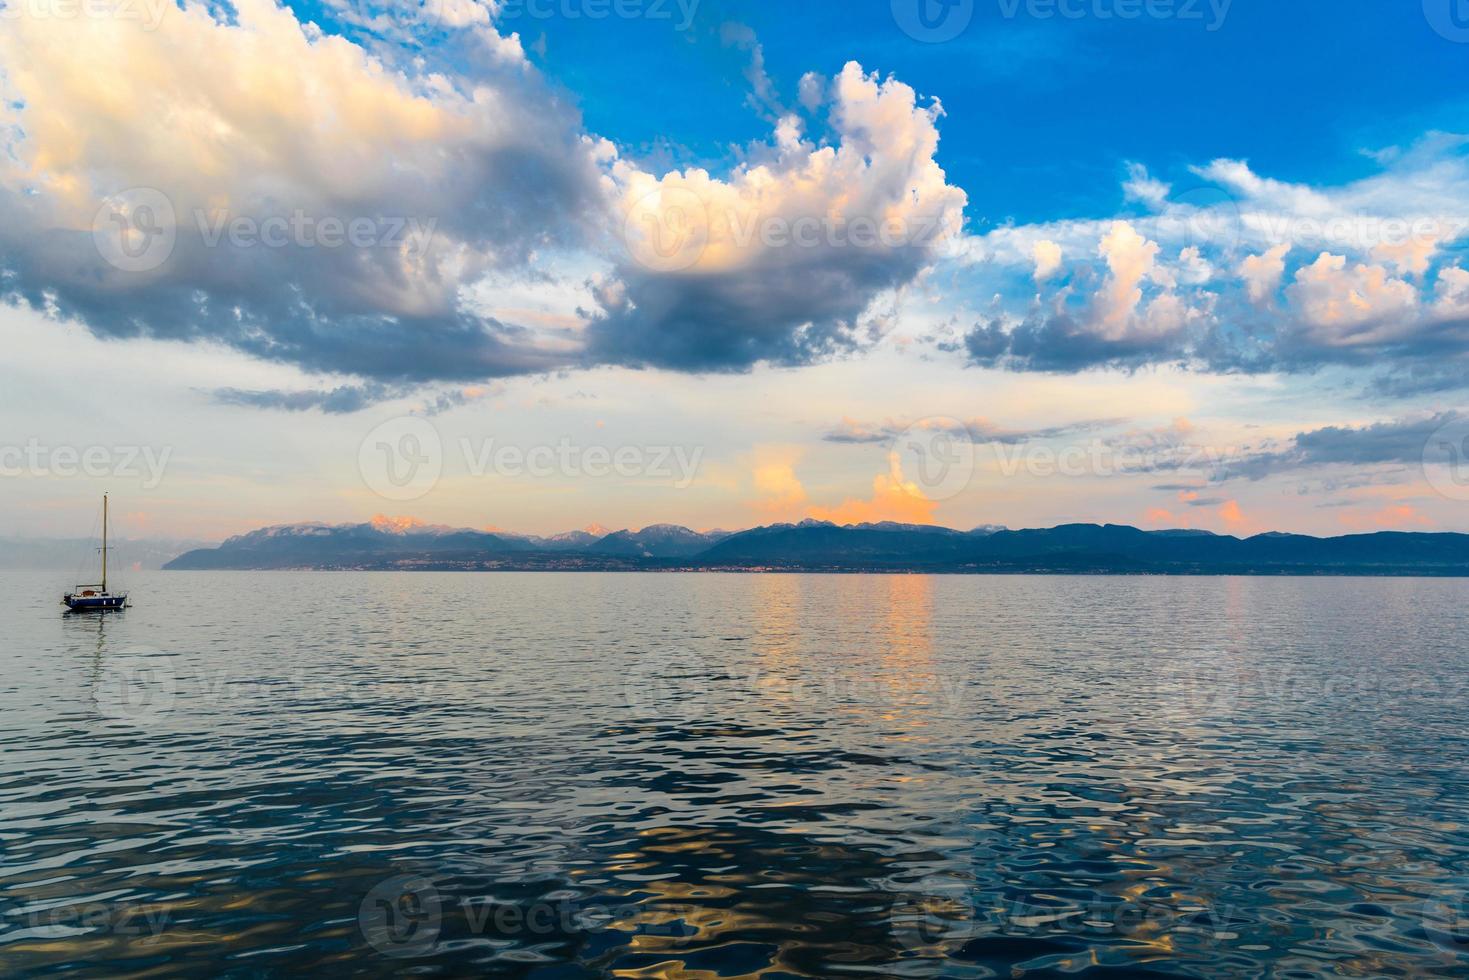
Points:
(1047, 259)
(1349, 306)
(1141, 186)
(1262, 273)
(780, 259)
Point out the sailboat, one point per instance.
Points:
(96, 598)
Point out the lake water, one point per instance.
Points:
(722, 775)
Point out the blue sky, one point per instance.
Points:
(1044, 113)
(1215, 250)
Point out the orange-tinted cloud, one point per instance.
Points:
(1160, 515)
(779, 489)
(893, 499)
(1393, 515)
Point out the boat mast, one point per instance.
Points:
(104, 544)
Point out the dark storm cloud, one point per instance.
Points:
(1401, 441)
(1063, 344)
(1429, 357)
(794, 306)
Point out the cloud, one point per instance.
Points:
(1135, 316)
(1344, 306)
(1368, 277)
(778, 490)
(1048, 258)
(978, 430)
(1262, 273)
(328, 206)
(1397, 441)
(1140, 186)
(1390, 516)
(338, 401)
(894, 498)
(780, 262)
(1233, 517)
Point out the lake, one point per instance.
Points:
(562, 775)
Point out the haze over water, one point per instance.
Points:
(723, 775)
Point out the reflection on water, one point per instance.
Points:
(730, 776)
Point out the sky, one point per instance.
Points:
(537, 265)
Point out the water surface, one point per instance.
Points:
(736, 776)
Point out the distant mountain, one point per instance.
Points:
(329, 546)
(824, 546)
(658, 541)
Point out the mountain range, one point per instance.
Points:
(823, 546)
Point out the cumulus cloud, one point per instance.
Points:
(894, 498)
(1134, 316)
(1047, 259)
(1353, 274)
(325, 207)
(781, 261)
(1345, 306)
(1262, 273)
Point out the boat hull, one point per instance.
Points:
(95, 603)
